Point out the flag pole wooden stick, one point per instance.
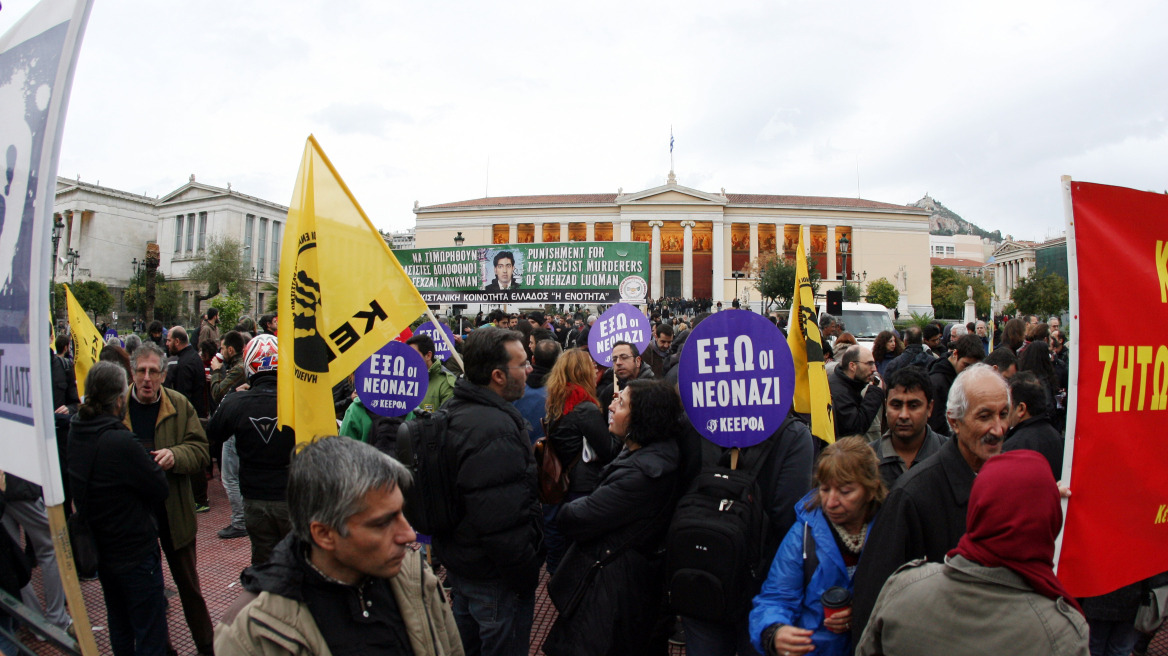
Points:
(438, 329)
(68, 571)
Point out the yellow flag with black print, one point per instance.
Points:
(812, 393)
(87, 341)
(343, 296)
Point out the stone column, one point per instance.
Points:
(657, 284)
(780, 235)
(563, 232)
(687, 260)
(807, 240)
(513, 234)
(718, 247)
(831, 270)
(626, 230)
(539, 233)
(753, 241)
(590, 232)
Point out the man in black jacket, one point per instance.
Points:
(856, 400)
(186, 375)
(264, 448)
(967, 350)
(1030, 426)
(493, 557)
(924, 515)
(627, 363)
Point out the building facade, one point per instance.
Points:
(699, 239)
(104, 233)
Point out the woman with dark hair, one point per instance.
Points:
(573, 422)
(886, 347)
(117, 355)
(1035, 358)
(119, 490)
(832, 521)
(619, 531)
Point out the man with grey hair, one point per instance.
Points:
(924, 515)
(346, 580)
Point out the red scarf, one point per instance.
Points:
(576, 396)
(1013, 519)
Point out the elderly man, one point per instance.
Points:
(924, 515)
(855, 397)
(168, 427)
(345, 581)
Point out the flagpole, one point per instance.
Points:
(1073, 378)
(438, 330)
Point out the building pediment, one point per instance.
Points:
(192, 191)
(671, 194)
(1012, 247)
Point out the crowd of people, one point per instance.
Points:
(902, 536)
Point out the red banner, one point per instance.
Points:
(1116, 528)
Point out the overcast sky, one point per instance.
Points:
(981, 105)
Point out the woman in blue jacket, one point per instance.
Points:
(819, 552)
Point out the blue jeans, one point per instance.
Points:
(492, 619)
(229, 475)
(135, 606)
(709, 639)
(7, 646)
(1112, 638)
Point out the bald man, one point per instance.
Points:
(186, 374)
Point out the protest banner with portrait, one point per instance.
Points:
(595, 272)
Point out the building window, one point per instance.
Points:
(263, 242)
(277, 237)
(249, 237)
(202, 231)
(190, 232)
(178, 233)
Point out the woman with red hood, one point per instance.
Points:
(997, 592)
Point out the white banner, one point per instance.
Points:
(37, 59)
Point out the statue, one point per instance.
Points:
(969, 292)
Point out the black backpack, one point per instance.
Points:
(431, 505)
(717, 551)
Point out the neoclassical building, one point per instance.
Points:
(699, 239)
(103, 234)
(1015, 259)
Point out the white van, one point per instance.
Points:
(863, 320)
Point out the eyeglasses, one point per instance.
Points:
(870, 363)
(153, 373)
(621, 358)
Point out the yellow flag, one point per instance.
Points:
(812, 393)
(343, 295)
(87, 341)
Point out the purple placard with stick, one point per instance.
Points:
(620, 323)
(736, 378)
(393, 381)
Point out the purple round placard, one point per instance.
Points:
(736, 378)
(620, 323)
(392, 381)
(441, 346)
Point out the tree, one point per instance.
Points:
(949, 293)
(851, 292)
(223, 266)
(883, 292)
(1041, 292)
(775, 278)
(93, 296)
(167, 297)
(230, 307)
(271, 298)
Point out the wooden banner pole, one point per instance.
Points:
(68, 571)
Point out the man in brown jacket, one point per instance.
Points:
(168, 427)
(342, 582)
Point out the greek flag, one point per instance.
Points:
(671, 142)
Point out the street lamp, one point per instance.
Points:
(257, 275)
(459, 240)
(737, 275)
(58, 225)
(844, 242)
(71, 259)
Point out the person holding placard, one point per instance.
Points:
(628, 366)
